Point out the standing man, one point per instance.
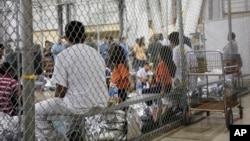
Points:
(79, 76)
(174, 41)
(123, 44)
(104, 49)
(231, 55)
(153, 50)
(234, 46)
(57, 48)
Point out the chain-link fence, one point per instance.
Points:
(121, 72)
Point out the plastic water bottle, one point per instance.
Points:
(113, 94)
(139, 87)
(116, 98)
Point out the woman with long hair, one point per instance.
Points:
(165, 71)
(120, 71)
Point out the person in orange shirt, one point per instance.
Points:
(164, 72)
(120, 75)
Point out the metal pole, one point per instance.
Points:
(181, 40)
(28, 70)
(60, 17)
(18, 63)
(68, 12)
(229, 23)
(166, 18)
(121, 4)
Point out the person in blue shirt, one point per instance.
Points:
(125, 47)
(104, 48)
(57, 48)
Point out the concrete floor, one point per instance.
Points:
(212, 128)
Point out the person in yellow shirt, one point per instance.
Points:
(140, 50)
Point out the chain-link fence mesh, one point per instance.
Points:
(120, 73)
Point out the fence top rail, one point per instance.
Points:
(131, 101)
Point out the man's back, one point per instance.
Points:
(153, 51)
(82, 71)
(233, 49)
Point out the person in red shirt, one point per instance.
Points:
(120, 72)
(8, 90)
(164, 72)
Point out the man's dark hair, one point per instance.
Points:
(75, 32)
(1, 46)
(5, 68)
(174, 37)
(232, 35)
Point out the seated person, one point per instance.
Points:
(8, 90)
(143, 75)
(163, 74)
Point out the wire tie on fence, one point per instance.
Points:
(184, 82)
(182, 50)
(32, 77)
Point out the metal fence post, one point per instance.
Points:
(60, 17)
(28, 69)
(181, 40)
(121, 6)
(229, 22)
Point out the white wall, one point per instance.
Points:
(216, 34)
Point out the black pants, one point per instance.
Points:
(122, 93)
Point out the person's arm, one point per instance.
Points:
(163, 86)
(60, 91)
(132, 84)
(60, 76)
(54, 49)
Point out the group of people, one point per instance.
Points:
(79, 73)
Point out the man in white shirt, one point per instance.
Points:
(174, 41)
(143, 75)
(232, 46)
(79, 76)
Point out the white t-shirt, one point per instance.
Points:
(81, 69)
(143, 74)
(179, 66)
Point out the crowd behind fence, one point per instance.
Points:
(128, 81)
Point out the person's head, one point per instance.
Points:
(75, 32)
(160, 36)
(123, 39)
(6, 69)
(116, 55)
(37, 47)
(137, 40)
(232, 36)
(47, 43)
(110, 40)
(166, 54)
(142, 41)
(146, 66)
(174, 39)
(187, 41)
(106, 39)
(1, 50)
